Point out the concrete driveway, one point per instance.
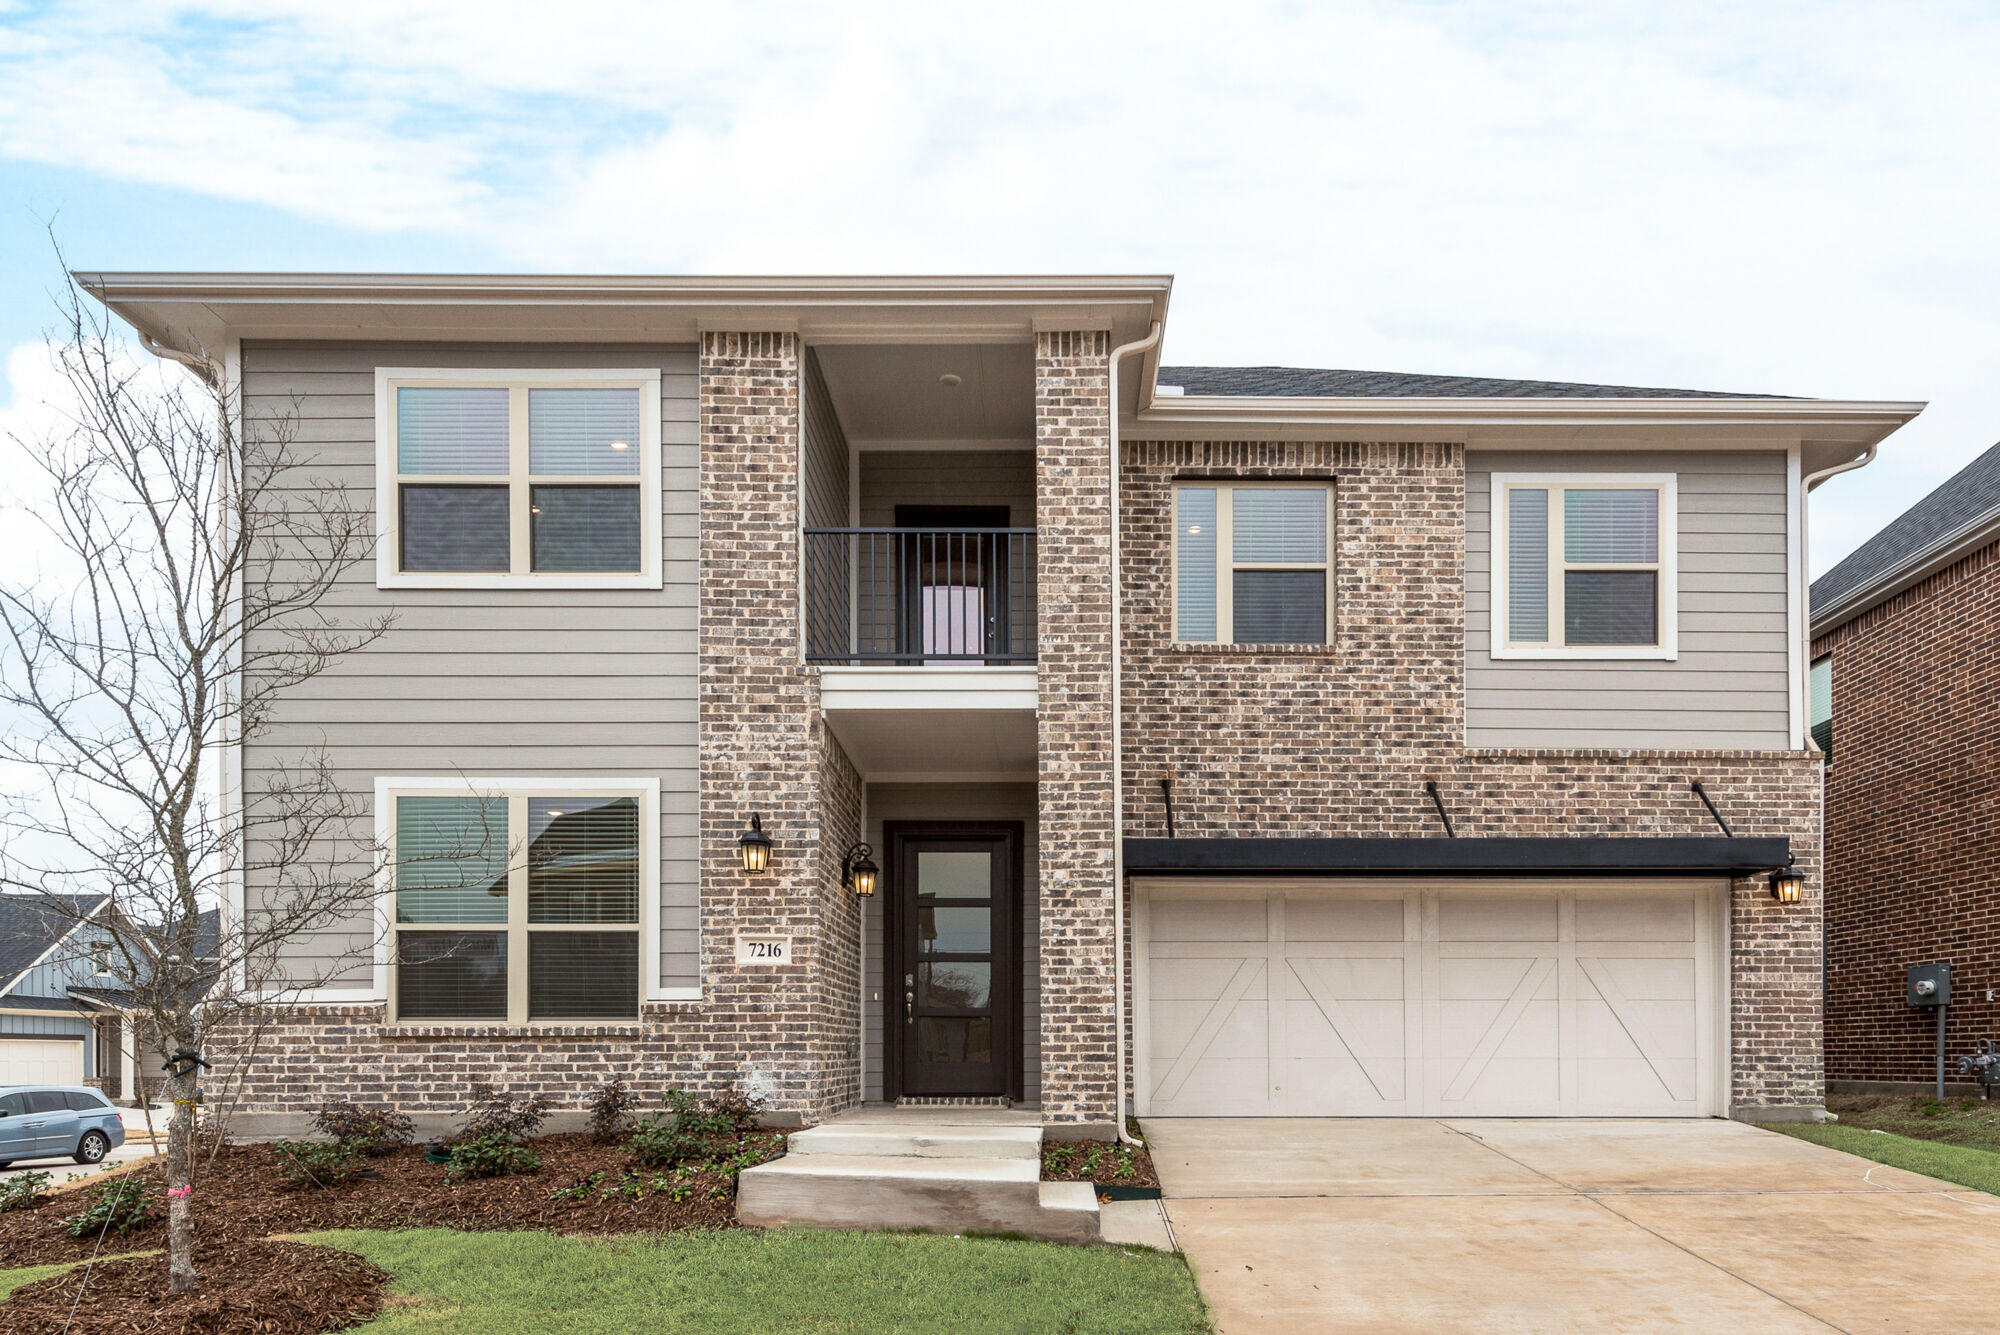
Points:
(1388, 1225)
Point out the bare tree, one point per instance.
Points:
(187, 565)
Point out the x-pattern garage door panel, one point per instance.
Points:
(1439, 1002)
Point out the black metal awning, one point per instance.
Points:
(1690, 856)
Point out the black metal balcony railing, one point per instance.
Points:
(920, 595)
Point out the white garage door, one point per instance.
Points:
(41, 1061)
(1479, 999)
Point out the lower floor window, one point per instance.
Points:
(516, 907)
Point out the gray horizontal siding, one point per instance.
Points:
(910, 801)
(1728, 688)
(534, 683)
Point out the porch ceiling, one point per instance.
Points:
(938, 745)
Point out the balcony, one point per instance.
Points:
(920, 597)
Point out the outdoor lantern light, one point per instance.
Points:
(1788, 884)
(858, 871)
(756, 846)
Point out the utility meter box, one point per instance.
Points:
(1929, 985)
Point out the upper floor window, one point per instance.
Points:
(524, 478)
(522, 904)
(1252, 562)
(1819, 691)
(1583, 566)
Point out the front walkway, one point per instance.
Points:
(1388, 1225)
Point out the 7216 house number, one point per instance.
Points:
(763, 950)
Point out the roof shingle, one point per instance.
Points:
(1304, 382)
(1969, 496)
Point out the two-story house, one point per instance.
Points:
(910, 690)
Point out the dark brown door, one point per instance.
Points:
(954, 1017)
(954, 583)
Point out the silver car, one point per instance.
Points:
(57, 1122)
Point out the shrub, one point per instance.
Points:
(121, 1206)
(493, 1112)
(741, 1109)
(492, 1155)
(377, 1130)
(319, 1163)
(610, 1110)
(23, 1189)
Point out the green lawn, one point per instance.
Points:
(14, 1279)
(1970, 1122)
(790, 1280)
(1954, 1163)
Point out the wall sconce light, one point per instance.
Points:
(858, 871)
(1788, 885)
(756, 847)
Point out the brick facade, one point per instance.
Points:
(1338, 740)
(1913, 823)
(1073, 722)
(788, 1034)
(1283, 740)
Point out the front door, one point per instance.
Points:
(955, 1013)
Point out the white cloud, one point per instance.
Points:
(1780, 198)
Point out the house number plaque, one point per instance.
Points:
(763, 950)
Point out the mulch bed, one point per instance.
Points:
(262, 1287)
(241, 1198)
(1104, 1162)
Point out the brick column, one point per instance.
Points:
(1073, 723)
(790, 1032)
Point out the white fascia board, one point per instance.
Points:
(1456, 419)
(195, 312)
(976, 687)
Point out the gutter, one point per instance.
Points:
(1219, 410)
(1118, 354)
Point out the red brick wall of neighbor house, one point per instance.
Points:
(788, 1034)
(1072, 504)
(1913, 822)
(1338, 740)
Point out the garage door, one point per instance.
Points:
(1476, 1000)
(41, 1061)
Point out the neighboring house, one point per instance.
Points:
(1906, 691)
(48, 947)
(64, 1018)
(702, 583)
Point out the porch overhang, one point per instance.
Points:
(1571, 856)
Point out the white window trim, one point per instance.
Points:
(388, 544)
(1225, 562)
(389, 788)
(1667, 649)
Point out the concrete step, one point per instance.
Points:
(937, 1194)
(877, 1140)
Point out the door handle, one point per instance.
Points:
(909, 998)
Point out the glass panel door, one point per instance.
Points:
(954, 909)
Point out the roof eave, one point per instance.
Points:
(1910, 571)
(1477, 420)
(196, 312)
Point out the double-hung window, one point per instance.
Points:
(1583, 566)
(1819, 697)
(528, 903)
(518, 478)
(1252, 562)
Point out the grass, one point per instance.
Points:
(807, 1281)
(14, 1279)
(1967, 1122)
(1963, 1164)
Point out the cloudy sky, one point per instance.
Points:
(1788, 198)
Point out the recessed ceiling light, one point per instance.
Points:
(950, 381)
(621, 445)
(554, 812)
(1194, 529)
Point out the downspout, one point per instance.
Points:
(1806, 485)
(1118, 354)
